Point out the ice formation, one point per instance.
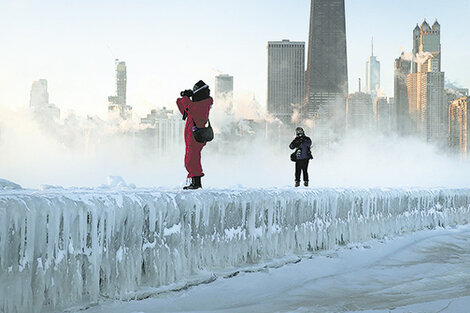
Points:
(6, 184)
(61, 248)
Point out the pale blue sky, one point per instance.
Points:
(168, 45)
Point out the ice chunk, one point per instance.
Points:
(117, 182)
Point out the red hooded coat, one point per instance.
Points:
(198, 112)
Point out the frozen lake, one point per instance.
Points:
(426, 271)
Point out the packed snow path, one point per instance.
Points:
(419, 272)
(60, 248)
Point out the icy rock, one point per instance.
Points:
(8, 185)
(62, 248)
(116, 181)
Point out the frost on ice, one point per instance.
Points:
(67, 247)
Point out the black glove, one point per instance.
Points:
(298, 140)
(187, 93)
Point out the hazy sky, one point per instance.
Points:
(169, 45)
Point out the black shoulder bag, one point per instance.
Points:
(203, 134)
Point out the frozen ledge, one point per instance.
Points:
(60, 248)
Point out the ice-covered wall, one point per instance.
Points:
(60, 248)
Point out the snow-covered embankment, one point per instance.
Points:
(60, 248)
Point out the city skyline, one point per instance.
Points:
(59, 55)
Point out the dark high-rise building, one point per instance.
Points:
(327, 73)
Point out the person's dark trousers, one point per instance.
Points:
(301, 166)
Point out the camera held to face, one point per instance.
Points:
(187, 93)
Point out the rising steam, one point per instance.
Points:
(85, 151)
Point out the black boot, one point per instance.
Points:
(198, 182)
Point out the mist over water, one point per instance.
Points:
(86, 151)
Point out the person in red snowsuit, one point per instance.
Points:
(195, 111)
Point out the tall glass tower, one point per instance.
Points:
(372, 75)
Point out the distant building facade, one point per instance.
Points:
(426, 85)
(118, 103)
(286, 78)
(459, 131)
(166, 128)
(359, 110)
(372, 75)
(426, 94)
(401, 109)
(451, 94)
(224, 91)
(384, 114)
(39, 102)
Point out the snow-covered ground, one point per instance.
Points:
(426, 271)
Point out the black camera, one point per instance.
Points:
(187, 92)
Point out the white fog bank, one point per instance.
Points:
(86, 153)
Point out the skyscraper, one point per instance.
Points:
(401, 112)
(327, 74)
(39, 102)
(224, 91)
(117, 103)
(165, 128)
(359, 110)
(39, 96)
(372, 75)
(426, 85)
(459, 128)
(427, 48)
(384, 114)
(286, 77)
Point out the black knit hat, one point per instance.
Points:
(299, 131)
(198, 85)
(201, 91)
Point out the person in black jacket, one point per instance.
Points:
(301, 156)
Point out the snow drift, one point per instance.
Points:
(60, 248)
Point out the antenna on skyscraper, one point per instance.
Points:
(372, 45)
